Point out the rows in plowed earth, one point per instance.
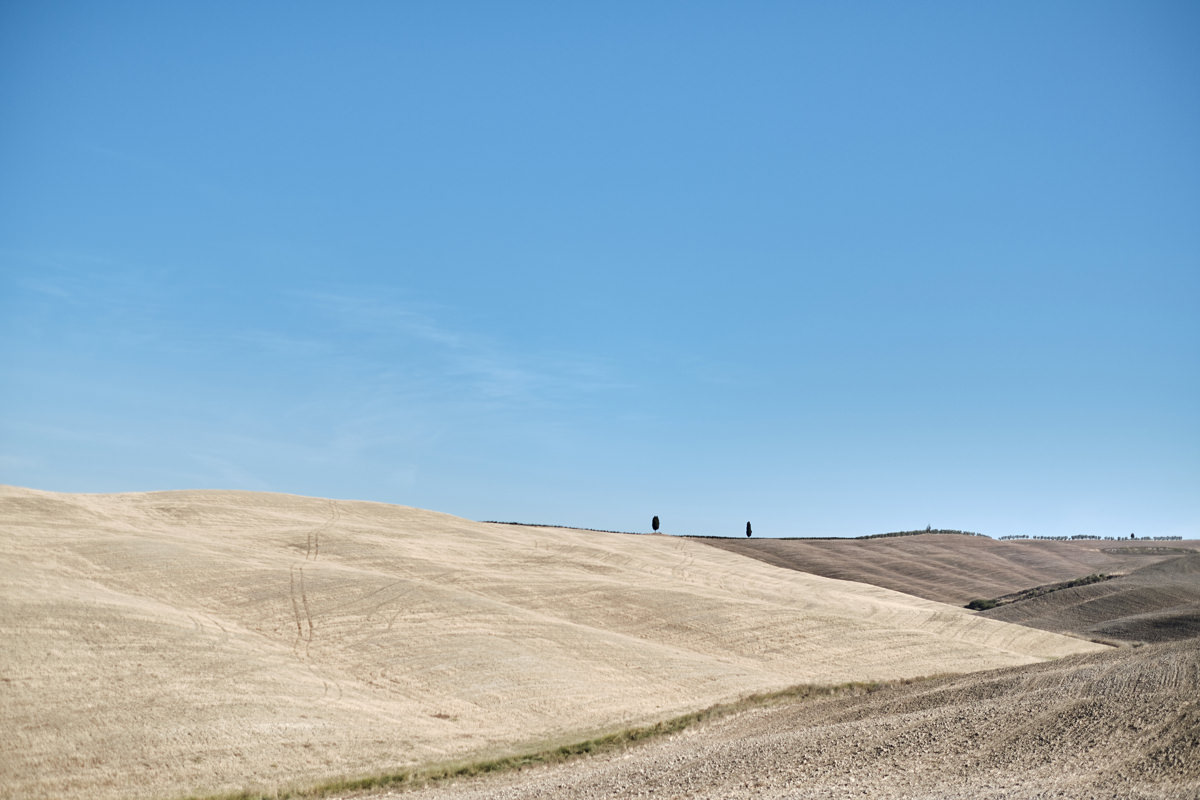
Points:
(203, 642)
(1154, 596)
(1120, 724)
(954, 568)
(1159, 602)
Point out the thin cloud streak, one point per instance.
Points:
(465, 367)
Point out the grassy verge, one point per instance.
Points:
(421, 776)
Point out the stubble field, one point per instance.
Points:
(166, 644)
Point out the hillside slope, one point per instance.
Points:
(1159, 602)
(953, 568)
(166, 643)
(1118, 724)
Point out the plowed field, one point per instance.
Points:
(955, 568)
(1119, 724)
(1159, 602)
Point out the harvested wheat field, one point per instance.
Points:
(165, 644)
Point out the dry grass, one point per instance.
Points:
(607, 743)
(210, 642)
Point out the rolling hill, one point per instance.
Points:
(953, 568)
(1157, 602)
(169, 643)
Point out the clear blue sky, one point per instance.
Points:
(834, 268)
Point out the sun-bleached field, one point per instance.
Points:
(162, 644)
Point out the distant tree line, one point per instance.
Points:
(655, 524)
(918, 533)
(1090, 536)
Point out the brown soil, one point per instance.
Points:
(1119, 724)
(953, 568)
(1154, 596)
(1159, 602)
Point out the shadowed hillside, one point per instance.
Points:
(1158, 602)
(164, 643)
(949, 568)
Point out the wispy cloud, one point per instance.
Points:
(468, 366)
(287, 390)
(72, 289)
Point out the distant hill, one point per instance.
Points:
(1158, 602)
(953, 569)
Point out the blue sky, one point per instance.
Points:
(835, 268)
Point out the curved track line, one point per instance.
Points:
(296, 606)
